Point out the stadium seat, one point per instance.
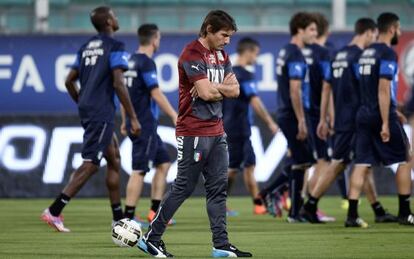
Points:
(164, 20)
(19, 21)
(163, 2)
(279, 2)
(126, 2)
(59, 3)
(16, 2)
(238, 2)
(57, 21)
(200, 2)
(314, 2)
(358, 2)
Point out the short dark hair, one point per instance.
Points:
(322, 24)
(300, 20)
(99, 17)
(219, 20)
(364, 24)
(245, 44)
(146, 32)
(386, 20)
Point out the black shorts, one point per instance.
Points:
(96, 138)
(344, 146)
(319, 146)
(148, 150)
(301, 151)
(241, 154)
(371, 150)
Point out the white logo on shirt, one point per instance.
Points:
(297, 67)
(196, 67)
(391, 66)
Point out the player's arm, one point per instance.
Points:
(206, 91)
(295, 90)
(384, 100)
(122, 93)
(322, 130)
(71, 85)
(230, 87)
(164, 104)
(262, 112)
(123, 121)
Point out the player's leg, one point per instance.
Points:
(324, 181)
(249, 162)
(215, 175)
(143, 153)
(113, 175)
(162, 164)
(381, 215)
(96, 138)
(192, 153)
(355, 187)
(395, 151)
(404, 185)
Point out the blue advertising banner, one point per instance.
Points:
(33, 68)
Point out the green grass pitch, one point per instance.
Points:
(23, 235)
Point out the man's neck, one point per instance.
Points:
(107, 31)
(147, 50)
(321, 41)
(384, 38)
(297, 41)
(241, 61)
(204, 42)
(358, 41)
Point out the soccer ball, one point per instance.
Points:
(126, 233)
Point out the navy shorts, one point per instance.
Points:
(96, 138)
(319, 146)
(370, 150)
(301, 151)
(344, 146)
(241, 154)
(148, 150)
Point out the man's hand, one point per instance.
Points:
(135, 127)
(194, 92)
(302, 130)
(385, 132)
(230, 79)
(401, 117)
(322, 130)
(123, 129)
(273, 128)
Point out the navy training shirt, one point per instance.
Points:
(237, 113)
(345, 87)
(318, 60)
(376, 62)
(291, 65)
(95, 61)
(141, 80)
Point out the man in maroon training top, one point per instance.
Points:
(205, 78)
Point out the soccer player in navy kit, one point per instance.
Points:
(238, 119)
(99, 66)
(380, 137)
(148, 149)
(205, 78)
(318, 58)
(293, 99)
(344, 85)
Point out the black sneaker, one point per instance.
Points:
(355, 223)
(386, 218)
(229, 250)
(156, 249)
(309, 216)
(409, 220)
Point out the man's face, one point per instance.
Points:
(309, 33)
(397, 33)
(219, 39)
(370, 37)
(113, 20)
(252, 55)
(157, 41)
